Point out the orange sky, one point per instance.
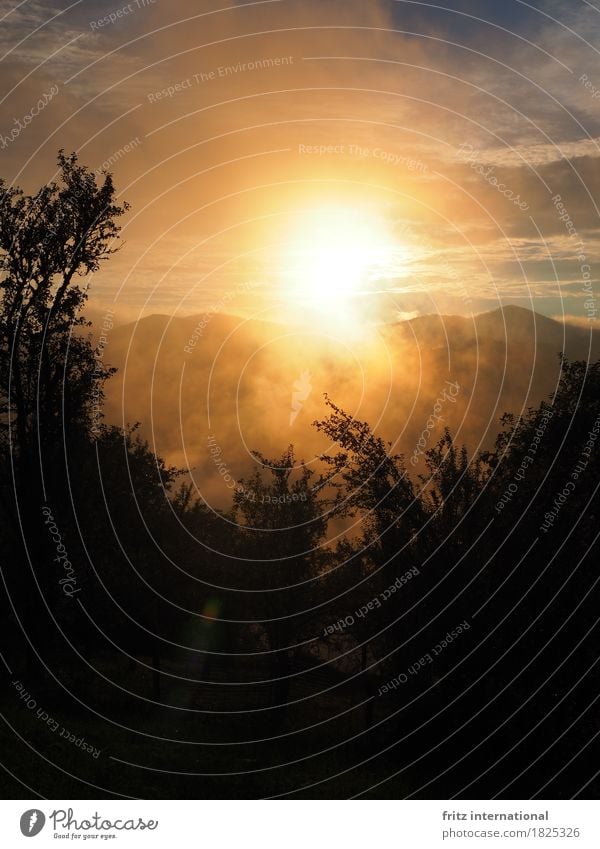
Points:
(229, 129)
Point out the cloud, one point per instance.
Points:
(578, 321)
(222, 119)
(536, 155)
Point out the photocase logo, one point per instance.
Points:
(32, 822)
(302, 389)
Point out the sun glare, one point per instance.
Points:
(334, 257)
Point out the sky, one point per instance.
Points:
(397, 158)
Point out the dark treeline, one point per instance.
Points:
(366, 629)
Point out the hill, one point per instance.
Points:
(233, 379)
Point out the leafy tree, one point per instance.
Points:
(49, 376)
(451, 486)
(548, 449)
(49, 242)
(282, 526)
(373, 486)
(375, 483)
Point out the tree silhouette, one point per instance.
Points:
(49, 242)
(282, 524)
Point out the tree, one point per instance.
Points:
(451, 486)
(283, 524)
(49, 242)
(49, 374)
(543, 467)
(376, 486)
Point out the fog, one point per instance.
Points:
(250, 385)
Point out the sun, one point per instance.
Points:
(334, 256)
